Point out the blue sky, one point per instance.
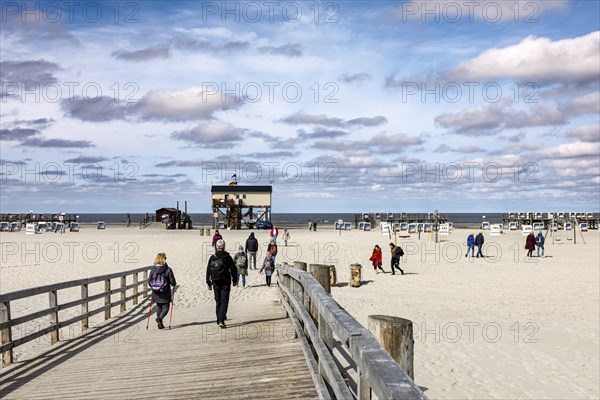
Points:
(343, 106)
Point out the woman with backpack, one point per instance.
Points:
(160, 281)
(241, 263)
(272, 250)
(377, 259)
(268, 266)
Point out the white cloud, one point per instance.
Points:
(571, 150)
(588, 133)
(540, 59)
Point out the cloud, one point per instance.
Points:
(540, 60)
(39, 122)
(192, 44)
(301, 118)
(149, 53)
(213, 135)
(86, 160)
(320, 133)
(17, 134)
(57, 143)
(476, 121)
(17, 76)
(34, 24)
(570, 150)
(588, 133)
(358, 77)
(184, 105)
(444, 148)
(271, 155)
(99, 109)
(379, 144)
(287, 50)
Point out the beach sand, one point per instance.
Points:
(499, 327)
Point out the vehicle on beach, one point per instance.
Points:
(264, 225)
(74, 227)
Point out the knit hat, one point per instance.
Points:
(220, 244)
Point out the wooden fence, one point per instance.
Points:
(317, 317)
(7, 323)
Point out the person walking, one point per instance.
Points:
(310, 224)
(272, 250)
(216, 237)
(251, 249)
(315, 226)
(274, 233)
(479, 243)
(470, 245)
(241, 263)
(221, 273)
(268, 267)
(286, 236)
(530, 244)
(377, 259)
(539, 242)
(397, 253)
(160, 281)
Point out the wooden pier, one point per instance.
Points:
(276, 351)
(547, 219)
(377, 218)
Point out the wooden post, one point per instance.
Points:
(396, 336)
(356, 275)
(145, 290)
(53, 298)
(364, 389)
(85, 323)
(322, 275)
(300, 265)
(123, 294)
(325, 333)
(7, 356)
(332, 276)
(107, 298)
(135, 288)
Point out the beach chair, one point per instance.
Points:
(583, 227)
(513, 226)
(495, 230)
(485, 226)
(526, 230)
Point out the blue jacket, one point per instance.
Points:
(470, 240)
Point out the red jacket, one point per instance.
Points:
(274, 232)
(376, 258)
(530, 242)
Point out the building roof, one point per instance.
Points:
(167, 209)
(241, 189)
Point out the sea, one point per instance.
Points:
(459, 220)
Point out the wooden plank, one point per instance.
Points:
(107, 299)
(7, 356)
(135, 288)
(123, 293)
(53, 300)
(85, 323)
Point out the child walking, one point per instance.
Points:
(377, 259)
(241, 263)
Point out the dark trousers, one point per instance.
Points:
(222, 299)
(162, 309)
(395, 264)
(268, 280)
(479, 246)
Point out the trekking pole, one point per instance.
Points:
(172, 306)
(149, 312)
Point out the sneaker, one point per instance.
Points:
(222, 325)
(402, 271)
(160, 325)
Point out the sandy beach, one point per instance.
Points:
(503, 326)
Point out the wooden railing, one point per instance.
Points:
(7, 323)
(317, 317)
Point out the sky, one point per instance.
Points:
(349, 106)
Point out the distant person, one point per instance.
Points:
(160, 281)
(310, 225)
(251, 249)
(274, 233)
(479, 243)
(221, 273)
(470, 245)
(241, 263)
(272, 249)
(268, 267)
(539, 242)
(530, 244)
(286, 236)
(377, 259)
(315, 226)
(216, 237)
(397, 253)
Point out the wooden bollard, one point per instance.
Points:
(322, 275)
(355, 275)
(332, 276)
(201, 231)
(300, 265)
(395, 334)
(207, 231)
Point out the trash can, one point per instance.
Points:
(355, 273)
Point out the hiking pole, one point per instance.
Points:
(172, 306)
(149, 312)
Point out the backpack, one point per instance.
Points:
(399, 252)
(158, 283)
(217, 269)
(268, 264)
(241, 261)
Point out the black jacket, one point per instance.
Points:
(221, 270)
(251, 243)
(162, 297)
(479, 240)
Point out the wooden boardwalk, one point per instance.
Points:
(256, 357)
